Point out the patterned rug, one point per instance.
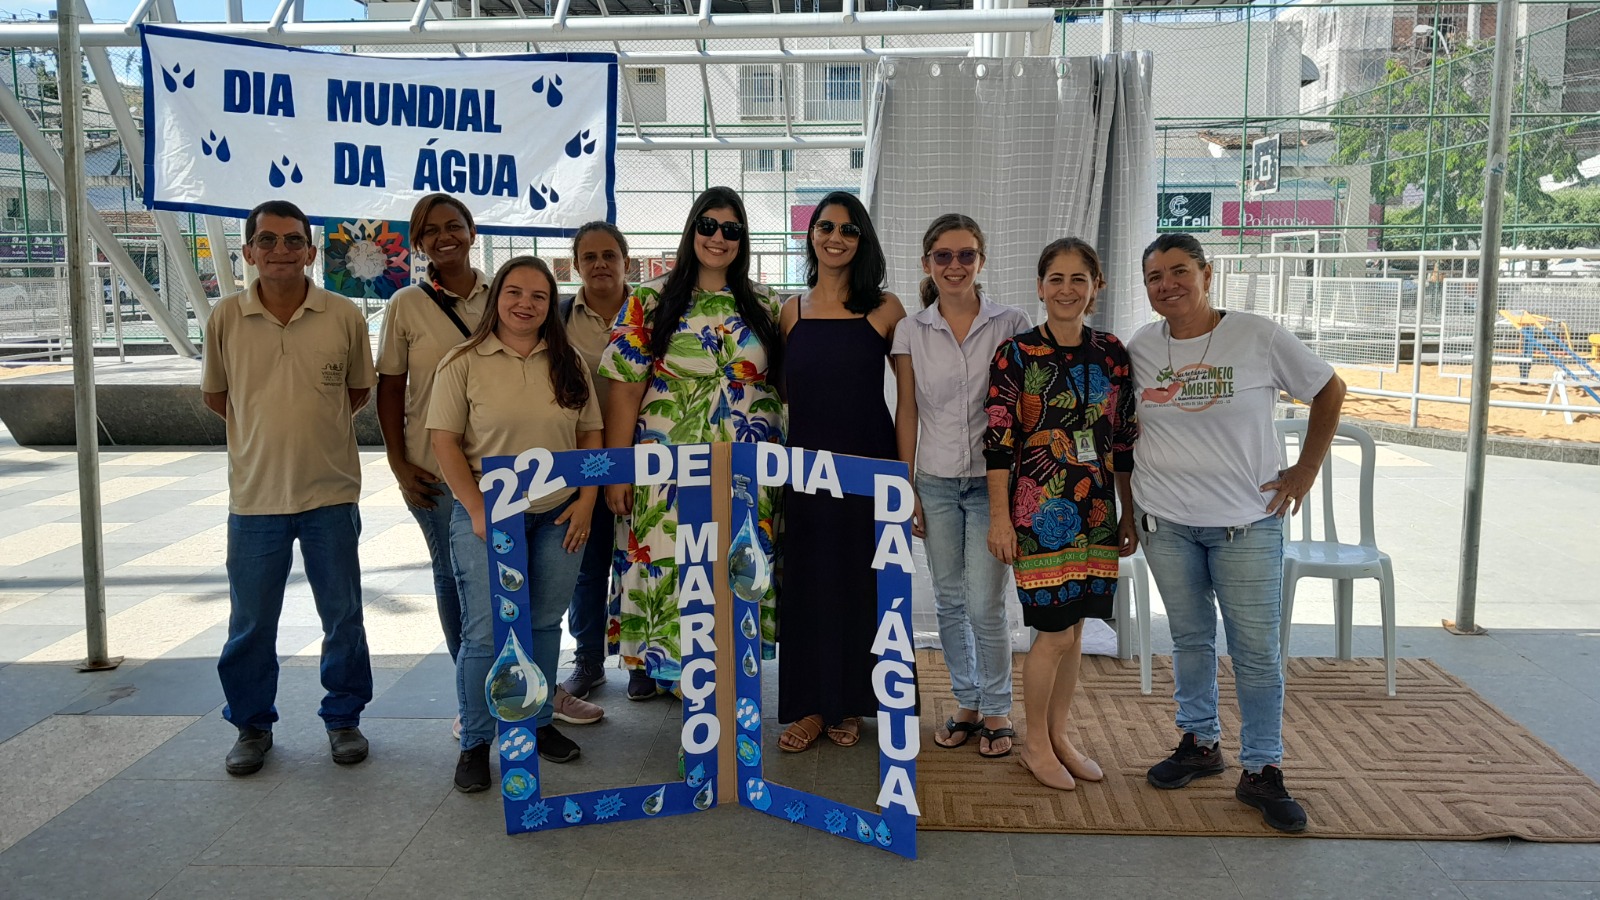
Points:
(1436, 762)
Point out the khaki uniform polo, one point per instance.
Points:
(291, 441)
(416, 336)
(590, 332)
(502, 404)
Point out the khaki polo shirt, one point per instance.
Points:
(291, 442)
(590, 332)
(416, 336)
(502, 404)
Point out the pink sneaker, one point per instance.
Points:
(574, 711)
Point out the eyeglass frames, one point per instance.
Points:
(707, 226)
(848, 229)
(269, 241)
(966, 256)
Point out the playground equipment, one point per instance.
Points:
(1539, 339)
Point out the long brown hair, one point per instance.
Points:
(943, 225)
(571, 389)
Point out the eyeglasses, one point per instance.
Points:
(268, 241)
(707, 226)
(945, 257)
(848, 229)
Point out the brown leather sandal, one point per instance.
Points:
(846, 733)
(800, 735)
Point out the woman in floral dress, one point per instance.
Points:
(1059, 450)
(690, 357)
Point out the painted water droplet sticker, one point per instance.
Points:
(572, 812)
(502, 541)
(704, 798)
(696, 775)
(755, 790)
(883, 835)
(507, 608)
(748, 626)
(515, 688)
(748, 662)
(518, 784)
(747, 713)
(510, 578)
(863, 830)
(653, 803)
(748, 572)
(749, 750)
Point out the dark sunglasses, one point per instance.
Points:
(268, 241)
(945, 257)
(707, 226)
(848, 229)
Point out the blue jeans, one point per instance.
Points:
(586, 616)
(435, 525)
(552, 572)
(260, 550)
(1241, 570)
(967, 591)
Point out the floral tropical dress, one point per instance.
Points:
(1042, 396)
(711, 386)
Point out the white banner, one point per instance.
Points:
(527, 142)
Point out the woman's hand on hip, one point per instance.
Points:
(1003, 541)
(1290, 489)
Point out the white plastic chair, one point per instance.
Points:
(1329, 558)
(1133, 577)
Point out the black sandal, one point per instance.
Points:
(994, 734)
(965, 729)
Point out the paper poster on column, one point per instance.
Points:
(528, 142)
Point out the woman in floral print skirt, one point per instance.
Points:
(1059, 449)
(690, 357)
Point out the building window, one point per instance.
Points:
(761, 92)
(648, 89)
(833, 92)
(769, 160)
(858, 158)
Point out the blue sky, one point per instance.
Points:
(190, 10)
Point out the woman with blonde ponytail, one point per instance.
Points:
(942, 356)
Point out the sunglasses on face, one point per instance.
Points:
(707, 226)
(269, 241)
(945, 257)
(848, 229)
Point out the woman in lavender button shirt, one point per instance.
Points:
(941, 358)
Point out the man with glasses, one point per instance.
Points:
(287, 365)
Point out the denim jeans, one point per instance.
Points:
(1241, 570)
(260, 550)
(968, 585)
(435, 525)
(586, 616)
(552, 572)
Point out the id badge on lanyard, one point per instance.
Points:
(1085, 441)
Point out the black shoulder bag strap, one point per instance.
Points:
(446, 307)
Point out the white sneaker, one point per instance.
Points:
(455, 729)
(574, 711)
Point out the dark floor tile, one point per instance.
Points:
(1514, 860)
(301, 883)
(34, 692)
(1313, 868)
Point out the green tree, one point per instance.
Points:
(1578, 211)
(1426, 127)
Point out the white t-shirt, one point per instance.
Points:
(1206, 441)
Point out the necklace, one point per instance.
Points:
(1211, 332)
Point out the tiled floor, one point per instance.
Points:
(111, 785)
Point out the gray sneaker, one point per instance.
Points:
(585, 677)
(348, 744)
(249, 752)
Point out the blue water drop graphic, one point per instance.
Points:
(554, 197)
(748, 662)
(748, 572)
(515, 688)
(502, 542)
(536, 197)
(508, 608)
(696, 775)
(275, 177)
(188, 80)
(295, 176)
(702, 800)
(169, 81)
(575, 146)
(884, 836)
(538, 85)
(205, 147)
(589, 147)
(510, 578)
(654, 802)
(223, 153)
(572, 812)
(555, 92)
(748, 626)
(863, 830)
